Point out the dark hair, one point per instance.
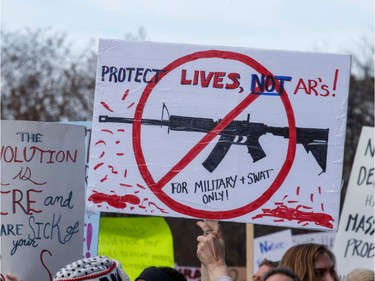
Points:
(283, 271)
(270, 263)
(173, 273)
(161, 273)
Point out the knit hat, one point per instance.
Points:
(360, 274)
(98, 268)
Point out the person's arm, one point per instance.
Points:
(211, 253)
(210, 226)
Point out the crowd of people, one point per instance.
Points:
(303, 262)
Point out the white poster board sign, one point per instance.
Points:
(219, 133)
(354, 245)
(42, 197)
(271, 247)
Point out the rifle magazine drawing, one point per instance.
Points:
(238, 132)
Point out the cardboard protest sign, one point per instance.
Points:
(271, 247)
(136, 242)
(219, 133)
(42, 197)
(354, 244)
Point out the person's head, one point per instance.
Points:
(97, 268)
(264, 266)
(161, 273)
(280, 274)
(360, 274)
(311, 262)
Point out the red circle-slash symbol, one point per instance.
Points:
(156, 187)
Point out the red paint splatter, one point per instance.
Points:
(140, 186)
(125, 94)
(120, 153)
(117, 142)
(125, 173)
(125, 185)
(322, 207)
(107, 131)
(113, 169)
(160, 209)
(106, 106)
(98, 165)
(290, 214)
(121, 130)
(102, 154)
(284, 197)
(131, 105)
(100, 141)
(116, 201)
(312, 197)
(319, 190)
(104, 179)
(298, 188)
(142, 207)
(281, 220)
(303, 207)
(292, 201)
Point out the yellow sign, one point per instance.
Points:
(136, 242)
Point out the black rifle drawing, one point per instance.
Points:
(314, 140)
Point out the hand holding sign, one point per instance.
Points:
(211, 251)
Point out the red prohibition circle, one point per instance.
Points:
(156, 187)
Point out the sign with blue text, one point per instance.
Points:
(219, 133)
(271, 247)
(42, 197)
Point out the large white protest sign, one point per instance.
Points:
(42, 197)
(219, 133)
(271, 247)
(354, 244)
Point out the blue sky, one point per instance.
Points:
(304, 25)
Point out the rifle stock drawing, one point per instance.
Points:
(314, 140)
